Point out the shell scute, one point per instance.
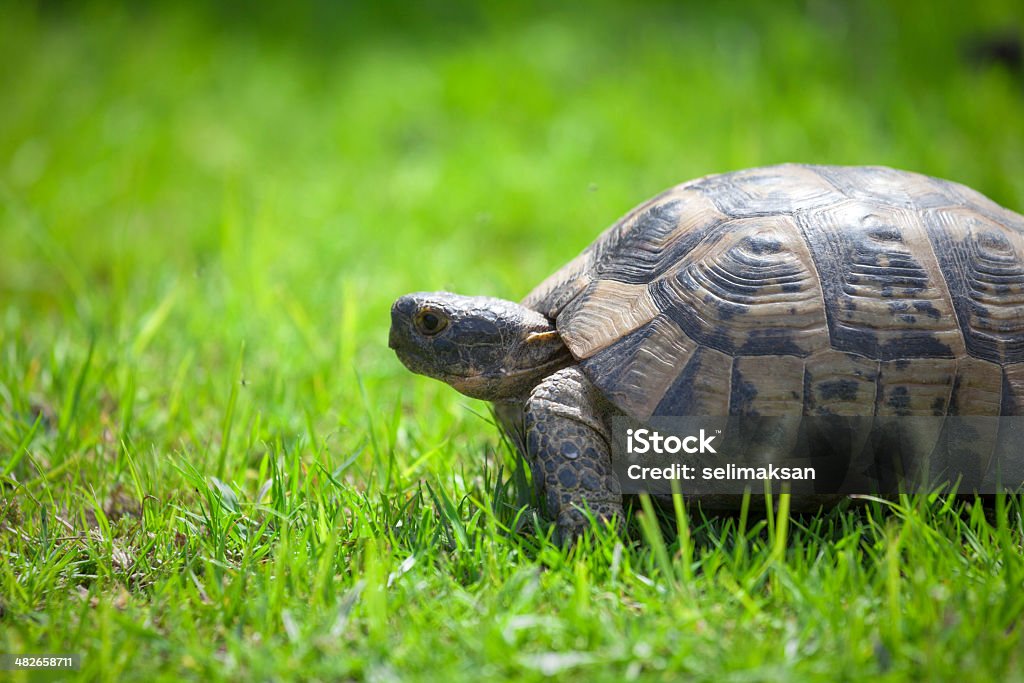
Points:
(982, 259)
(885, 294)
(767, 191)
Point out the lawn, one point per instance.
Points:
(214, 468)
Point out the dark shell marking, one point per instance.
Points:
(826, 290)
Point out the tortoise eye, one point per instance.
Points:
(430, 322)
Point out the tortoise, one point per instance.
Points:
(814, 290)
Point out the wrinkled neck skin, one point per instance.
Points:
(536, 353)
(543, 355)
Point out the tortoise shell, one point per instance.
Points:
(797, 289)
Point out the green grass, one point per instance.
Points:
(212, 465)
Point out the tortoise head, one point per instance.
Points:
(486, 348)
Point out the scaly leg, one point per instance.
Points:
(567, 443)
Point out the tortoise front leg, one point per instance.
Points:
(567, 444)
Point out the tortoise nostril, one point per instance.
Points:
(398, 319)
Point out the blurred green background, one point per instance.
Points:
(177, 179)
(206, 210)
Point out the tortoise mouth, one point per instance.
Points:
(415, 360)
(502, 382)
(487, 385)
